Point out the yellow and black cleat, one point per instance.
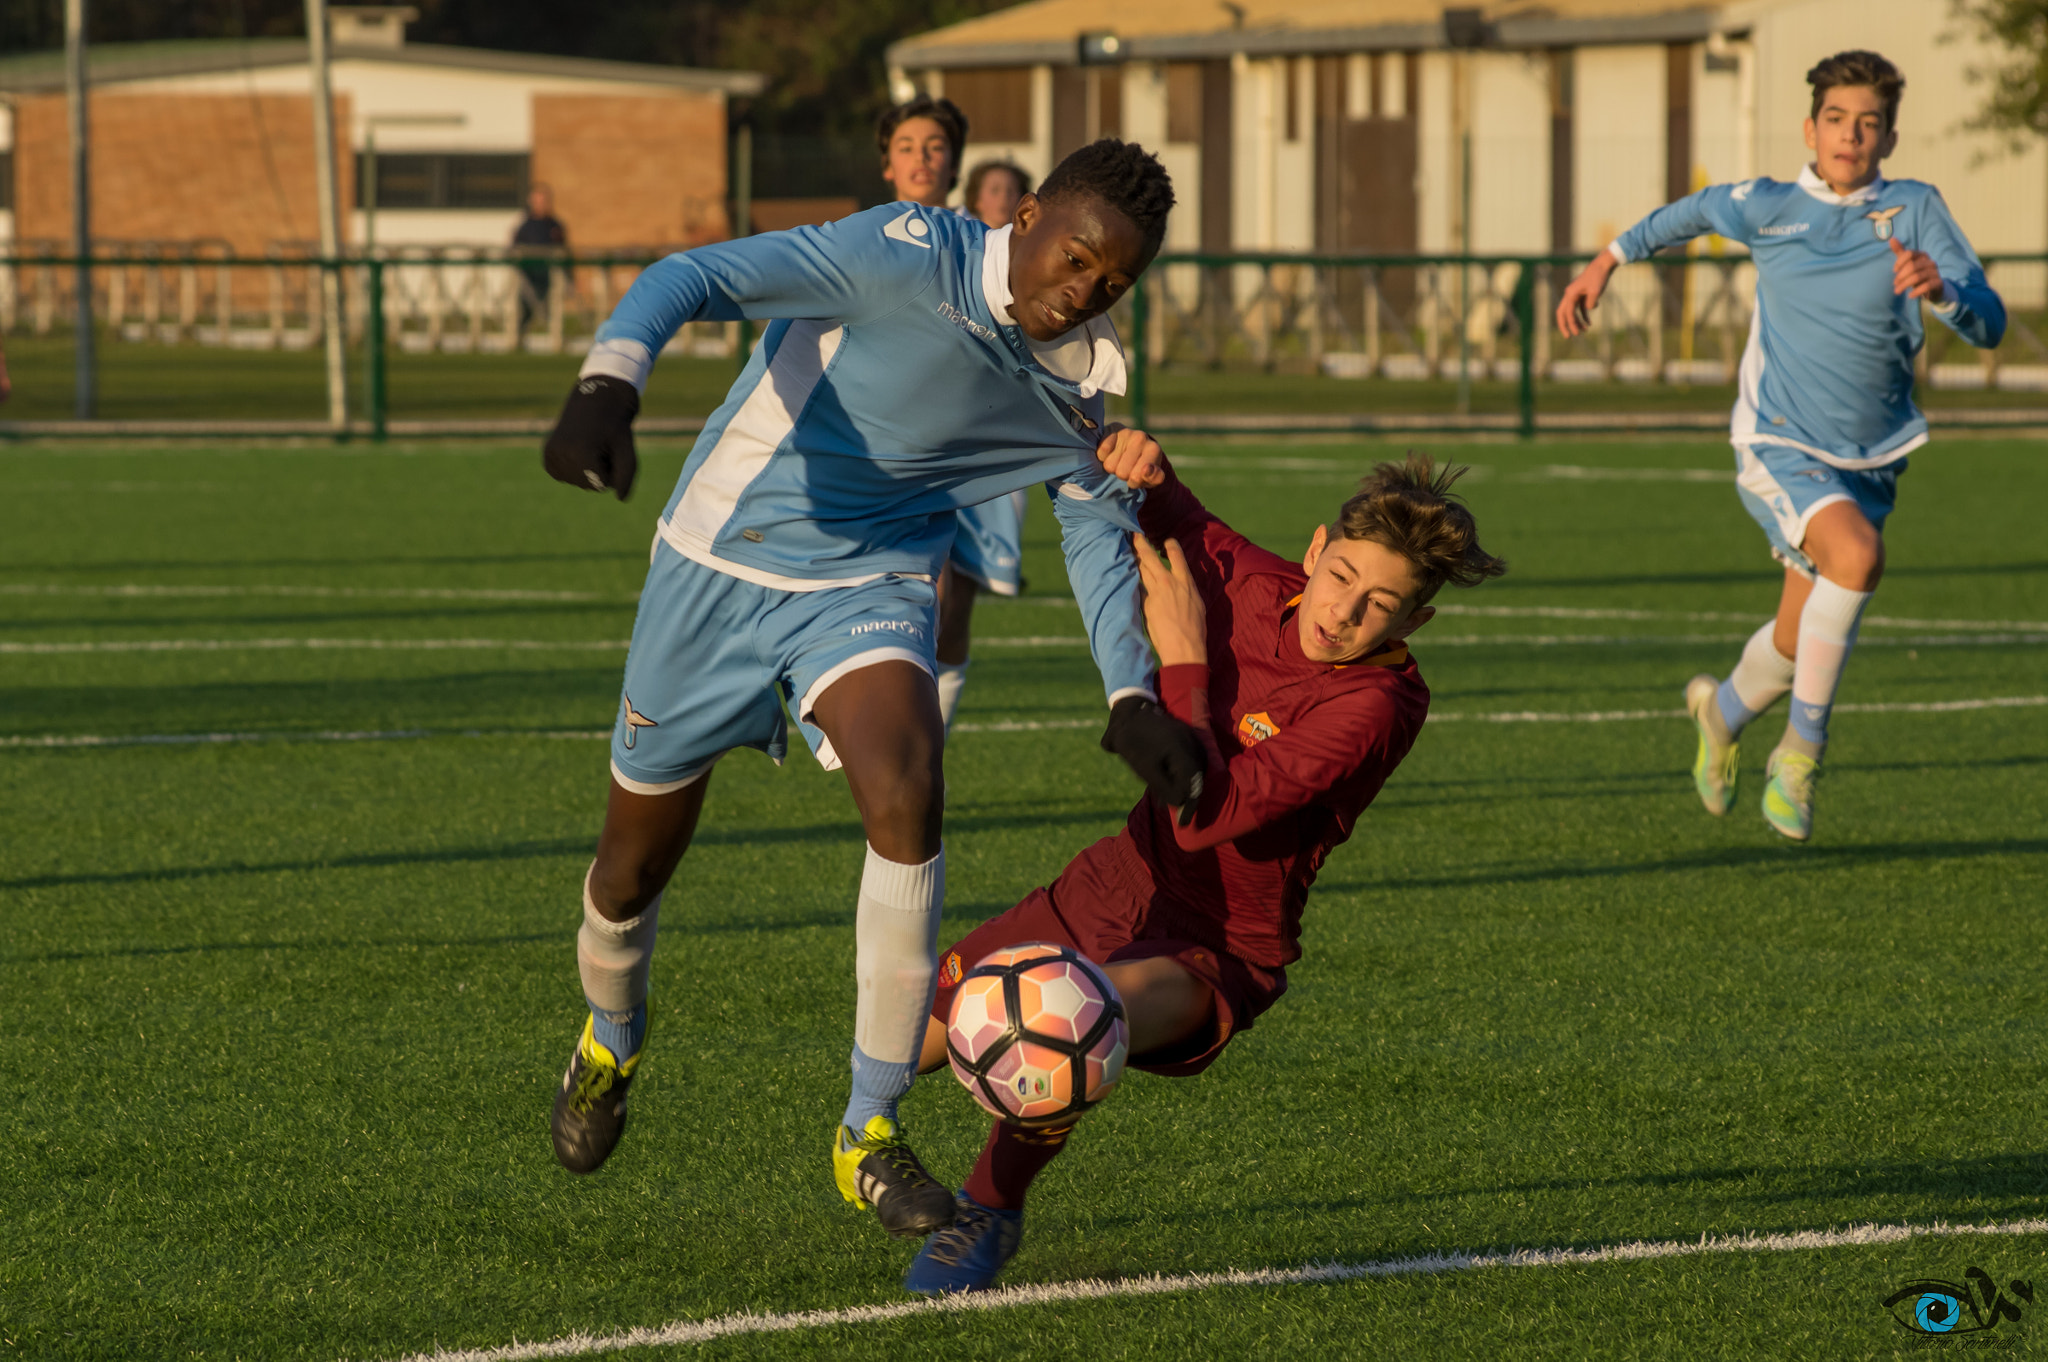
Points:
(590, 1106)
(877, 1168)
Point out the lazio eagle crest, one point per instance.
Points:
(1881, 221)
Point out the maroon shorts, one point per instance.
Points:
(1102, 906)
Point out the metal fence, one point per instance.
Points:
(1674, 321)
(1461, 323)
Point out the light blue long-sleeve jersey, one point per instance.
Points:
(886, 394)
(1829, 364)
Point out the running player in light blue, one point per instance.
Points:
(915, 363)
(1824, 416)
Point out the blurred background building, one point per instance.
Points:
(211, 141)
(1404, 125)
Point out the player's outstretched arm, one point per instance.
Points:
(1094, 511)
(1583, 294)
(850, 271)
(1717, 208)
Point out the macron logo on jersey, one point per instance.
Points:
(1787, 229)
(908, 229)
(964, 322)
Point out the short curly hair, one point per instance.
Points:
(1409, 507)
(943, 112)
(1123, 175)
(1858, 68)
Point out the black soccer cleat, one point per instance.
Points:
(878, 1169)
(590, 1106)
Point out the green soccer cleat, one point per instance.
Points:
(1788, 794)
(590, 1106)
(1714, 769)
(878, 1169)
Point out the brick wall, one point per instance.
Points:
(172, 168)
(634, 171)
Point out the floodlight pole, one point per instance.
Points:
(85, 382)
(325, 179)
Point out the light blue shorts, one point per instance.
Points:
(714, 657)
(989, 545)
(1782, 487)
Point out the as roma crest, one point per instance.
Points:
(1256, 728)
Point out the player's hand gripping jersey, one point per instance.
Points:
(1297, 748)
(1829, 365)
(890, 389)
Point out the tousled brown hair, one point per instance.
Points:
(1409, 507)
(943, 112)
(1858, 68)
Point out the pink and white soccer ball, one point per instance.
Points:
(1037, 1034)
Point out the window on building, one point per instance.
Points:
(6, 181)
(435, 179)
(996, 100)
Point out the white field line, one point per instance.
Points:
(1569, 472)
(1424, 642)
(684, 1332)
(1608, 716)
(542, 645)
(130, 589)
(1524, 716)
(1565, 612)
(391, 645)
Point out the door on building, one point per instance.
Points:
(1366, 155)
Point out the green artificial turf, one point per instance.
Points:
(280, 1021)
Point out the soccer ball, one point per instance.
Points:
(1037, 1035)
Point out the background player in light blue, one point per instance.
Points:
(915, 364)
(921, 142)
(1824, 416)
(988, 546)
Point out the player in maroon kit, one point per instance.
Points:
(1305, 699)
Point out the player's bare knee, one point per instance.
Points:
(622, 884)
(902, 808)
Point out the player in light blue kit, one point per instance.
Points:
(915, 363)
(1824, 416)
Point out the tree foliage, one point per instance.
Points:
(824, 59)
(2017, 103)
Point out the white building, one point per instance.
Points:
(1342, 125)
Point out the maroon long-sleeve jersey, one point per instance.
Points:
(1299, 747)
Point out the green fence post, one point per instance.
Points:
(375, 344)
(1140, 353)
(1525, 319)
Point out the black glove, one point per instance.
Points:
(591, 445)
(1163, 751)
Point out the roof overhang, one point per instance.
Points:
(114, 67)
(1511, 33)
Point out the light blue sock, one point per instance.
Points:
(877, 1085)
(1734, 713)
(622, 1038)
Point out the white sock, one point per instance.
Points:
(1827, 631)
(896, 955)
(614, 958)
(1758, 680)
(952, 677)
